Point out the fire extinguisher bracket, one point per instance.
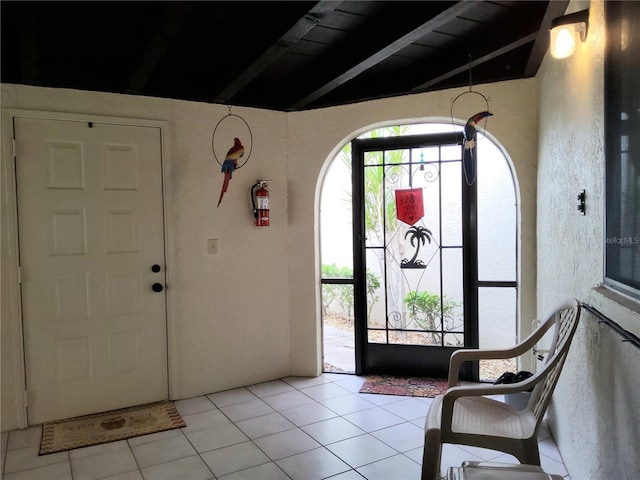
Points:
(260, 202)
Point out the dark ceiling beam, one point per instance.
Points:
(303, 26)
(394, 47)
(478, 61)
(173, 18)
(26, 25)
(540, 46)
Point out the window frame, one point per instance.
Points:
(620, 147)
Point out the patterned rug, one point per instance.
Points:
(109, 426)
(407, 386)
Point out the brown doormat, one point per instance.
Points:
(407, 386)
(109, 426)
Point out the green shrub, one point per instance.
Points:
(344, 293)
(427, 312)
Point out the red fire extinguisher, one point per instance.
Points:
(260, 200)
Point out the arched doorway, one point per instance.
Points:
(379, 315)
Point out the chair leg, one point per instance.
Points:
(531, 453)
(431, 453)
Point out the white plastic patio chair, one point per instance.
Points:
(463, 415)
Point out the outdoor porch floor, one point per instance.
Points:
(291, 428)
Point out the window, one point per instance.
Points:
(622, 133)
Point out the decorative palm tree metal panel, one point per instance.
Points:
(416, 250)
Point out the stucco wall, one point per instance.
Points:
(595, 413)
(251, 313)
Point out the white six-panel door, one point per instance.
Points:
(91, 229)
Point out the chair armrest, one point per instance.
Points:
(476, 390)
(466, 355)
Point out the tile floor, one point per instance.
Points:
(293, 428)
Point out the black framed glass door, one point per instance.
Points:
(415, 255)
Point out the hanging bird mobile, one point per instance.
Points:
(230, 164)
(469, 154)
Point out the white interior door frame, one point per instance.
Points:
(11, 273)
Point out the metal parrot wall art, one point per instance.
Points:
(469, 154)
(230, 164)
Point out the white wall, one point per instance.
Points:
(595, 414)
(252, 312)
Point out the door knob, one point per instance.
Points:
(155, 268)
(157, 287)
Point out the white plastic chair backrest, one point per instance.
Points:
(565, 318)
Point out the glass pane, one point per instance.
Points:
(338, 328)
(497, 328)
(375, 273)
(395, 177)
(377, 336)
(425, 279)
(335, 271)
(454, 340)
(452, 289)
(396, 156)
(431, 219)
(421, 288)
(427, 154)
(422, 296)
(336, 221)
(425, 173)
(337, 301)
(450, 174)
(395, 291)
(622, 241)
(374, 205)
(452, 152)
(373, 158)
(424, 309)
(622, 141)
(411, 338)
(496, 215)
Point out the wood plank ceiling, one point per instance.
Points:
(284, 55)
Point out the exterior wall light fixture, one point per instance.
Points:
(564, 33)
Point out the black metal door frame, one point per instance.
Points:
(375, 358)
